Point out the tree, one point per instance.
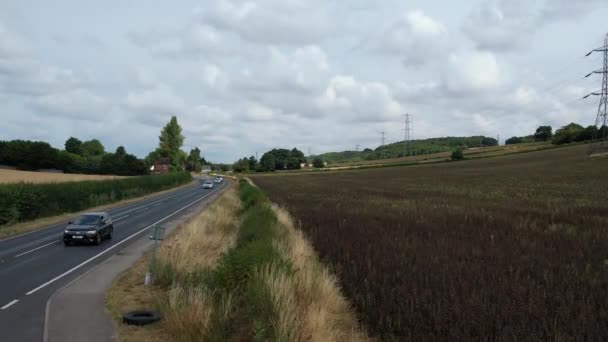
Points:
(267, 163)
(73, 145)
(543, 133)
(293, 163)
(457, 154)
(171, 141)
(513, 140)
(194, 160)
(299, 155)
(92, 147)
(318, 163)
(253, 163)
(120, 151)
(587, 134)
(567, 134)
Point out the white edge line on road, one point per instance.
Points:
(157, 204)
(120, 218)
(194, 187)
(11, 303)
(37, 248)
(113, 246)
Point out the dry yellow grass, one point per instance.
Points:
(14, 176)
(308, 301)
(186, 312)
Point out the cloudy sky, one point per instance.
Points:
(325, 75)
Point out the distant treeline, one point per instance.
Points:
(416, 147)
(570, 133)
(26, 201)
(88, 157)
(275, 159)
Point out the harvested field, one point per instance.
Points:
(14, 176)
(497, 249)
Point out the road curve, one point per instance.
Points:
(36, 264)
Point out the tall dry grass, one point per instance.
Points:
(307, 300)
(14, 176)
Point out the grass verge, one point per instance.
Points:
(239, 271)
(41, 223)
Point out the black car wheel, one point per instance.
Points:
(98, 239)
(67, 243)
(110, 234)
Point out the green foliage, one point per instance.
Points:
(121, 163)
(194, 160)
(418, 147)
(457, 154)
(26, 201)
(514, 140)
(246, 165)
(280, 159)
(28, 155)
(92, 148)
(318, 163)
(567, 134)
(543, 133)
(73, 145)
(170, 143)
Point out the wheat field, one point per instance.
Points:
(14, 176)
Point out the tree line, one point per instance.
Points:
(572, 132)
(275, 159)
(90, 157)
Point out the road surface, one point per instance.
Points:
(34, 265)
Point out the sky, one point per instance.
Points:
(243, 77)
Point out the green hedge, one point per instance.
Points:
(26, 201)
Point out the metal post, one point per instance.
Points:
(157, 236)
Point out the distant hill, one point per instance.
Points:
(417, 147)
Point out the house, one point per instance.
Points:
(161, 165)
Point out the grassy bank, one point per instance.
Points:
(27, 201)
(14, 176)
(238, 271)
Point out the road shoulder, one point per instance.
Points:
(77, 312)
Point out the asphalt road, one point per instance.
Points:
(34, 265)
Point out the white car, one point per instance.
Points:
(208, 185)
(218, 179)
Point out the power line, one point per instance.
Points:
(601, 120)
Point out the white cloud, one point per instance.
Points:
(472, 72)
(153, 106)
(270, 21)
(76, 104)
(415, 37)
(503, 25)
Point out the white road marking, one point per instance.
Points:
(142, 210)
(120, 218)
(37, 248)
(114, 246)
(11, 303)
(157, 204)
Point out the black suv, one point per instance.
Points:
(89, 228)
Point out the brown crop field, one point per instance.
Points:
(13, 176)
(513, 248)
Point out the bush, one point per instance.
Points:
(457, 155)
(318, 163)
(27, 201)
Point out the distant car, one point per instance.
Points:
(208, 185)
(89, 228)
(218, 179)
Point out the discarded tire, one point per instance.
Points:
(140, 317)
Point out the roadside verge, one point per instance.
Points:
(76, 311)
(239, 272)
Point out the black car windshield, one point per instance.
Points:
(87, 219)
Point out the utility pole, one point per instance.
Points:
(498, 139)
(600, 139)
(406, 139)
(357, 148)
(382, 145)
